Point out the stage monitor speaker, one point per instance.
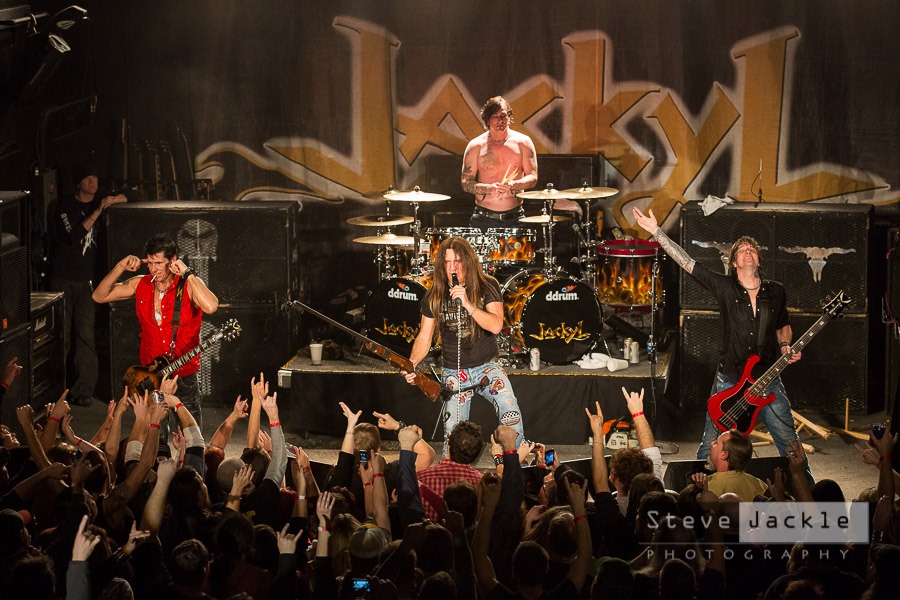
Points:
(246, 252)
(13, 289)
(813, 249)
(13, 220)
(268, 339)
(17, 343)
(836, 364)
(678, 472)
(48, 347)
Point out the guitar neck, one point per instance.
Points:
(772, 373)
(186, 358)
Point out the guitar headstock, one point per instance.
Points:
(230, 329)
(834, 305)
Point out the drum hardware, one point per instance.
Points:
(548, 195)
(543, 219)
(626, 279)
(415, 196)
(386, 239)
(587, 254)
(386, 220)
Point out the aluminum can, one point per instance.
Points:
(635, 354)
(626, 349)
(534, 362)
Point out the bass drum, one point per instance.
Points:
(558, 316)
(393, 312)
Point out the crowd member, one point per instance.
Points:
(73, 229)
(730, 453)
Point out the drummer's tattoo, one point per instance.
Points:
(678, 254)
(468, 180)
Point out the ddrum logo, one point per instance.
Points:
(401, 292)
(564, 295)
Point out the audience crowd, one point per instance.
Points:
(126, 515)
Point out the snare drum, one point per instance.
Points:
(393, 312)
(481, 243)
(625, 278)
(559, 316)
(513, 246)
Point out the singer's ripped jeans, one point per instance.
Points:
(777, 417)
(489, 380)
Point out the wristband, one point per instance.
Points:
(367, 484)
(301, 497)
(637, 414)
(580, 518)
(307, 469)
(187, 273)
(323, 529)
(4, 385)
(510, 452)
(154, 425)
(378, 475)
(54, 419)
(878, 537)
(275, 424)
(78, 443)
(232, 498)
(883, 458)
(179, 405)
(785, 343)
(400, 425)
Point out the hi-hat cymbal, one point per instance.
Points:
(387, 239)
(380, 220)
(416, 195)
(544, 219)
(589, 193)
(548, 193)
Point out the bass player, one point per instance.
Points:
(168, 284)
(755, 321)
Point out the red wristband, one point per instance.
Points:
(378, 475)
(78, 443)
(580, 518)
(179, 405)
(367, 484)
(4, 384)
(154, 425)
(307, 469)
(54, 419)
(275, 424)
(885, 457)
(637, 414)
(510, 452)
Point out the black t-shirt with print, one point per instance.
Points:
(471, 352)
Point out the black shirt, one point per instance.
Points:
(740, 331)
(472, 353)
(73, 250)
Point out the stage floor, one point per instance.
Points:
(552, 399)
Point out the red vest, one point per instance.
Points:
(156, 338)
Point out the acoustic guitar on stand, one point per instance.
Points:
(140, 379)
(739, 406)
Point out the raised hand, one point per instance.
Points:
(646, 222)
(265, 441)
(323, 508)
(260, 388)
(776, 487)
(180, 443)
(10, 371)
(241, 480)
(85, 541)
(166, 468)
(240, 409)
(352, 417)
(131, 263)
(490, 491)
(796, 456)
(287, 542)
(169, 385)
(868, 454)
(634, 400)
(409, 436)
(386, 421)
(596, 421)
(525, 448)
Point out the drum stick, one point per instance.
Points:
(505, 175)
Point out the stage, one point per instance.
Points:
(552, 399)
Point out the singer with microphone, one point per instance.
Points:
(756, 322)
(465, 306)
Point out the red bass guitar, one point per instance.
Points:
(738, 406)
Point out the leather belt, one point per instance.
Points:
(508, 215)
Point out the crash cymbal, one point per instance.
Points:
(589, 193)
(416, 195)
(380, 220)
(540, 219)
(377, 195)
(387, 239)
(548, 193)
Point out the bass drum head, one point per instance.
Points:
(393, 312)
(558, 316)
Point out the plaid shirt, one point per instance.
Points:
(442, 475)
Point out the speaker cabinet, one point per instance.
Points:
(268, 339)
(48, 347)
(813, 249)
(16, 343)
(13, 289)
(246, 252)
(836, 364)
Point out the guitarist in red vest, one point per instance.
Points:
(156, 295)
(755, 322)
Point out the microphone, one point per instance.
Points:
(456, 301)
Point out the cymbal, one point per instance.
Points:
(416, 195)
(387, 239)
(378, 194)
(544, 219)
(380, 220)
(548, 193)
(589, 193)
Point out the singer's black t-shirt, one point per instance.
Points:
(471, 353)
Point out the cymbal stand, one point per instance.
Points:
(550, 268)
(586, 258)
(417, 268)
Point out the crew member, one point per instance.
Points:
(170, 282)
(756, 322)
(496, 165)
(465, 306)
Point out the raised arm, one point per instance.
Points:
(148, 454)
(109, 289)
(115, 430)
(579, 569)
(223, 433)
(56, 412)
(599, 471)
(278, 463)
(25, 415)
(677, 253)
(200, 295)
(156, 503)
(425, 454)
(484, 568)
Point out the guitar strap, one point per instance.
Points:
(762, 303)
(176, 316)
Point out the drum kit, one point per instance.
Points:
(545, 307)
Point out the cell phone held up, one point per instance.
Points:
(549, 456)
(361, 587)
(158, 396)
(364, 458)
(878, 430)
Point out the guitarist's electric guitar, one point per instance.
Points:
(738, 406)
(140, 379)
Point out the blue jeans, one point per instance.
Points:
(495, 388)
(777, 417)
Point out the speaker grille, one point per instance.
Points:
(13, 290)
(16, 343)
(834, 365)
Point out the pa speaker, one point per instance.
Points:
(268, 339)
(813, 249)
(246, 252)
(837, 363)
(48, 347)
(16, 343)
(13, 289)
